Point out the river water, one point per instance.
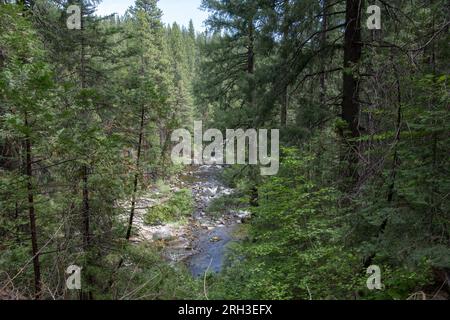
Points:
(215, 234)
(200, 243)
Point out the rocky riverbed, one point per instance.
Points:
(201, 242)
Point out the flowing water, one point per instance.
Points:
(215, 234)
(202, 242)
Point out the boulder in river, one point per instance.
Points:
(163, 235)
(215, 239)
(244, 216)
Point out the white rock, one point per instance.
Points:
(163, 235)
(244, 215)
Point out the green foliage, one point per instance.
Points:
(294, 231)
(80, 96)
(399, 283)
(144, 276)
(295, 248)
(163, 187)
(178, 206)
(224, 204)
(393, 210)
(86, 118)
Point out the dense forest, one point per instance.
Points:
(357, 89)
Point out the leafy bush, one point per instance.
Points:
(224, 204)
(178, 206)
(399, 283)
(294, 249)
(143, 276)
(163, 187)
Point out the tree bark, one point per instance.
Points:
(251, 64)
(250, 49)
(136, 176)
(84, 169)
(350, 103)
(86, 209)
(285, 91)
(323, 45)
(32, 215)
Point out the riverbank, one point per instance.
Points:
(201, 240)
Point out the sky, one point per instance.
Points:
(180, 11)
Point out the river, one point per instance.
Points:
(201, 243)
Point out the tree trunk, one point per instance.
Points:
(323, 55)
(250, 49)
(350, 103)
(84, 169)
(285, 91)
(284, 106)
(251, 64)
(136, 176)
(86, 209)
(32, 214)
(86, 214)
